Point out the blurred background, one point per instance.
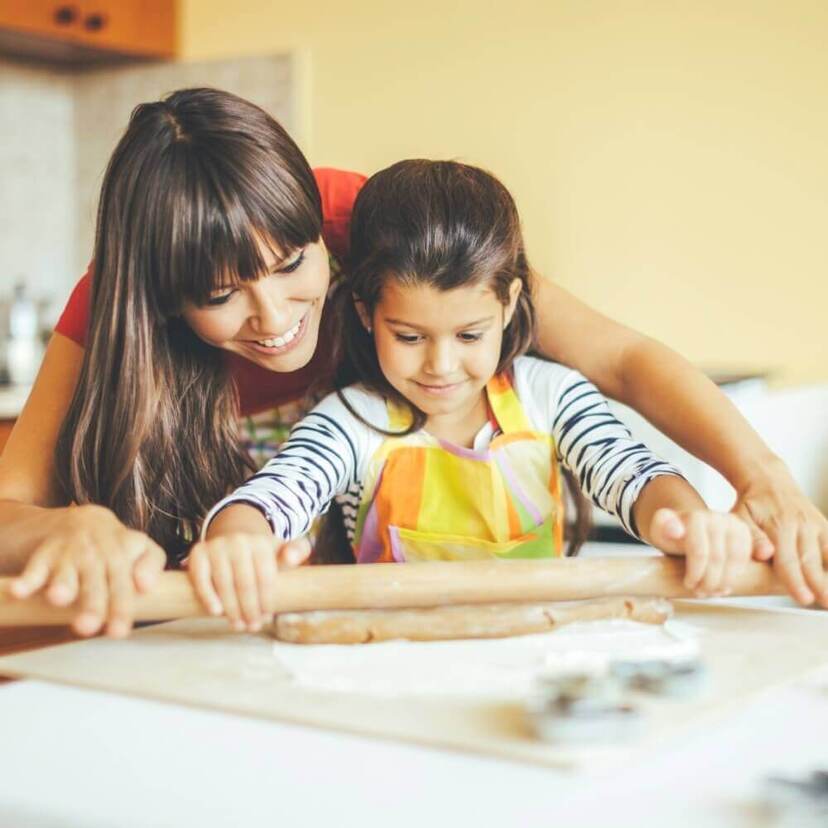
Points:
(670, 159)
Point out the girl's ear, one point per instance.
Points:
(514, 292)
(362, 312)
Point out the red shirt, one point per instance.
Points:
(260, 389)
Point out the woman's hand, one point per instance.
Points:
(92, 558)
(787, 527)
(235, 574)
(716, 545)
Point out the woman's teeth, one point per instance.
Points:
(281, 341)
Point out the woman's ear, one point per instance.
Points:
(514, 292)
(362, 312)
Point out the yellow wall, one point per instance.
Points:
(669, 157)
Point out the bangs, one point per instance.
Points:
(215, 217)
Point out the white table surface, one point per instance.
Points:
(74, 757)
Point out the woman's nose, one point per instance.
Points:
(270, 314)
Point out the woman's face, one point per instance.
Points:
(273, 321)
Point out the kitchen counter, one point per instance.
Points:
(105, 759)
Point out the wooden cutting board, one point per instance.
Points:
(198, 662)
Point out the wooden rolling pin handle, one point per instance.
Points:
(420, 585)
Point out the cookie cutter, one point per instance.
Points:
(797, 802)
(669, 679)
(582, 708)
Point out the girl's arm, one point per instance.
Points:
(317, 462)
(649, 496)
(233, 568)
(73, 553)
(680, 401)
(672, 516)
(260, 527)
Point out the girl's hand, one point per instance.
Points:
(235, 574)
(787, 527)
(92, 558)
(716, 545)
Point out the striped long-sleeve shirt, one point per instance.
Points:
(327, 454)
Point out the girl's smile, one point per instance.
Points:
(439, 348)
(440, 390)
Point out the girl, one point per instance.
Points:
(449, 447)
(205, 302)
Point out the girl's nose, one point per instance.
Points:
(440, 359)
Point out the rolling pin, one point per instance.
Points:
(432, 584)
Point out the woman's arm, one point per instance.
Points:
(680, 401)
(73, 552)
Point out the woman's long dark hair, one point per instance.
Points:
(446, 225)
(198, 181)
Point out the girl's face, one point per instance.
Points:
(274, 320)
(439, 348)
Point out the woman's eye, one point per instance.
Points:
(294, 265)
(408, 339)
(470, 337)
(221, 299)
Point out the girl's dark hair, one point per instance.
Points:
(439, 223)
(199, 180)
(446, 225)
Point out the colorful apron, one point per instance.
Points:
(426, 499)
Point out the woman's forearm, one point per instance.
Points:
(654, 380)
(690, 409)
(680, 401)
(24, 528)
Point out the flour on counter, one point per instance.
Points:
(504, 668)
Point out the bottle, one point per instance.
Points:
(23, 348)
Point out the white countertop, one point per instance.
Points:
(12, 400)
(74, 757)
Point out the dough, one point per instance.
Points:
(504, 669)
(455, 622)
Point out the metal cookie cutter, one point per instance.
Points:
(582, 708)
(799, 803)
(671, 679)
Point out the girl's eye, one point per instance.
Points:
(470, 337)
(214, 301)
(294, 265)
(408, 339)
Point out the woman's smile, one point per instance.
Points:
(282, 343)
(273, 320)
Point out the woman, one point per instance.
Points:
(206, 299)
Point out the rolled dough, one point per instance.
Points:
(459, 622)
(502, 668)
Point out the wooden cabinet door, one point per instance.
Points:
(46, 18)
(143, 27)
(124, 27)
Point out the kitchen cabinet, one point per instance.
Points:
(88, 30)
